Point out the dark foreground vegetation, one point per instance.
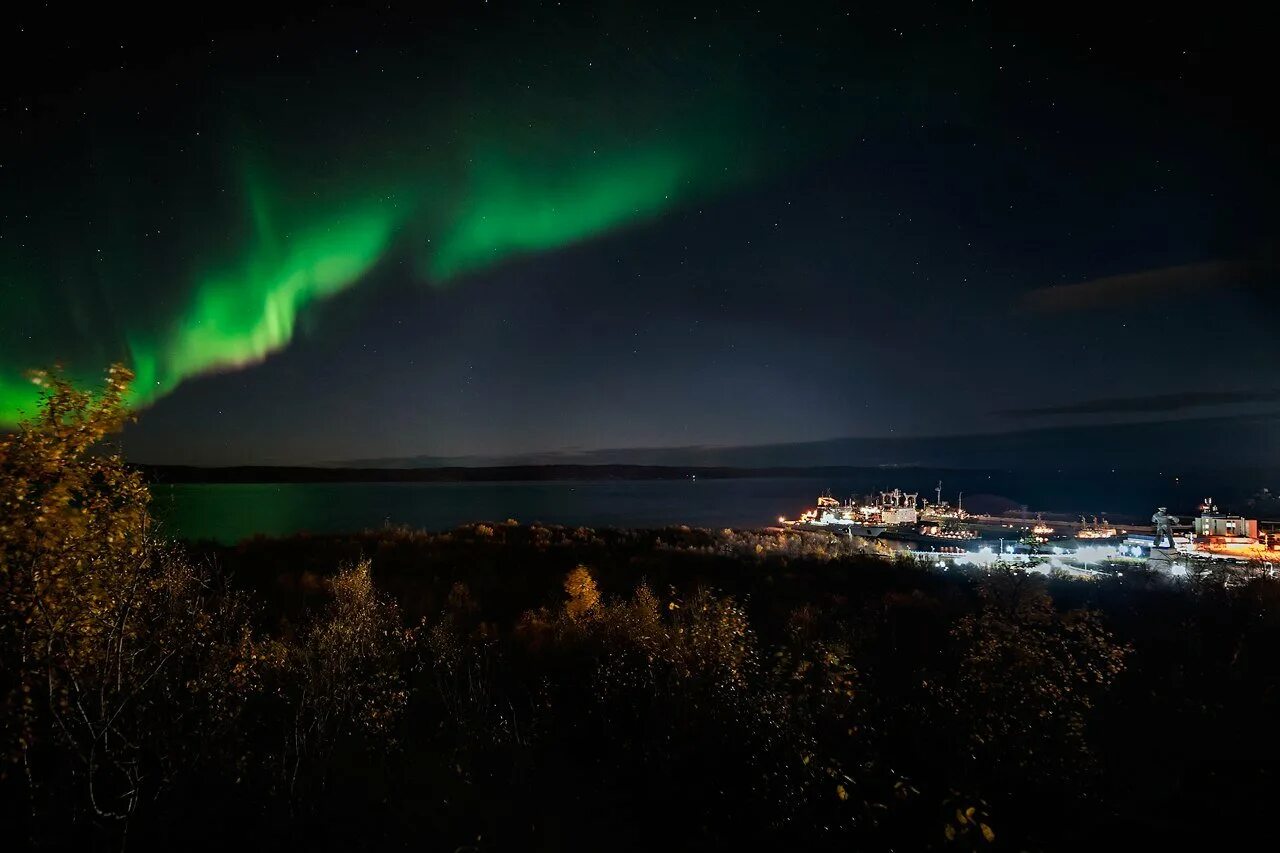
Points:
(528, 687)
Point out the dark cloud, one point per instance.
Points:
(1151, 403)
(1149, 285)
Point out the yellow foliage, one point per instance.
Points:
(347, 665)
(584, 596)
(110, 642)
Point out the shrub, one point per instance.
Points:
(1024, 679)
(123, 663)
(344, 675)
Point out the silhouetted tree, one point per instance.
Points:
(1025, 678)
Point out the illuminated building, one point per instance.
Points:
(1224, 533)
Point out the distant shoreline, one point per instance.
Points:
(493, 474)
(1125, 496)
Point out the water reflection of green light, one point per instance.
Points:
(229, 512)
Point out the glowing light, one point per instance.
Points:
(1096, 553)
(984, 558)
(277, 232)
(242, 313)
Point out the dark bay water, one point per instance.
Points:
(230, 512)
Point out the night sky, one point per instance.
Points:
(483, 229)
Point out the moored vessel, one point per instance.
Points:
(893, 511)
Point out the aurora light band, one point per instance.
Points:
(454, 197)
(196, 243)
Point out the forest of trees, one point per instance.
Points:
(508, 686)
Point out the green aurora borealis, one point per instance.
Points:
(185, 222)
(296, 200)
(481, 231)
(318, 226)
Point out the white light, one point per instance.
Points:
(1096, 553)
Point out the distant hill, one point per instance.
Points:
(480, 474)
(1203, 445)
(1124, 469)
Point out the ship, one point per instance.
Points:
(1096, 529)
(889, 512)
(942, 511)
(1033, 538)
(940, 533)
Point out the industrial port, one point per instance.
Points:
(899, 522)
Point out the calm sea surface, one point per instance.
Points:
(230, 512)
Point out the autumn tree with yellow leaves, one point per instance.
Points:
(118, 657)
(343, 676)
